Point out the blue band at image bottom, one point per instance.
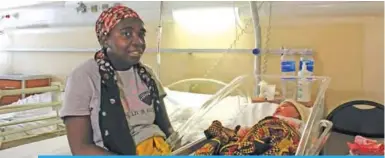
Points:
(204, 156)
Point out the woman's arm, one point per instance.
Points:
(162, 119)
(79, 134)
(76, 113)
(164, 123)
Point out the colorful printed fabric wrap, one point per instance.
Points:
(270, 136)
(210, 148)
(284, 138)
(113, 127)
(225, 135)
(217, 136)
(224, 141)
(254, 147)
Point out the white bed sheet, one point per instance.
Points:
(180, 106)
(230, 115)
(59, 145)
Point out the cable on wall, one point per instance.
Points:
(232, 45)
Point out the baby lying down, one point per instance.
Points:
(274, 135)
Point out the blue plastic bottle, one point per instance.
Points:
(288, 71)
(307, 57)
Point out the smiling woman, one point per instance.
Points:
(125, 44)
(113, 104)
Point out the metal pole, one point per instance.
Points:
(257, 36)
(159, 38)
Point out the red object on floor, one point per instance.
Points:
(365, 146)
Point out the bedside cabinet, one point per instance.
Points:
(10, 82)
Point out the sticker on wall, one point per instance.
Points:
(105, 6)
(82, 8)
(94, 8)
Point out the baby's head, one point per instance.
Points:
(292, 109)
(292, 112)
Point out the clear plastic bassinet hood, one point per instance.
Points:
(233, 105)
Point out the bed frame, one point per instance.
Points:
(56, 88)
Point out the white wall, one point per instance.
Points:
(348, 49)
(5, 57)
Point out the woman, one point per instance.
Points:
(274, 135)
(113, 104)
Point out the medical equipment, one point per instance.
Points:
(312, 139)
(307, 57)
(304, 87)
(288, 69)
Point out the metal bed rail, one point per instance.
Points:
(44, 121)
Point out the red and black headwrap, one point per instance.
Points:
(109, 18)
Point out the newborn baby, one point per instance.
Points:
(274, 135)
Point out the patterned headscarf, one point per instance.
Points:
(110, 18)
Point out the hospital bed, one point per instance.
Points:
(32, 118)
(231, 105)
(36, 118)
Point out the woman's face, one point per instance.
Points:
(287, 109)
(126, 40)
